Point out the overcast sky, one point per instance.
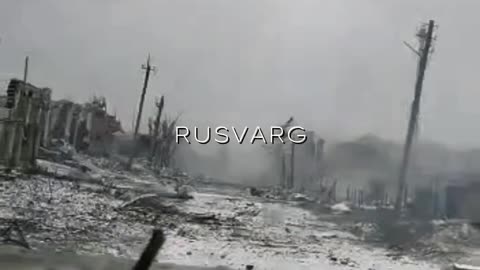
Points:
(339, 66)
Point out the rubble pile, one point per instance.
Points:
(438, 240)
(455, 239)
(57, 213)
(95, 217)
(92, 206)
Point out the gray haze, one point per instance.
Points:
(338, 66)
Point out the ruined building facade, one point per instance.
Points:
(23, 118)
(29, 120)
(86, 127)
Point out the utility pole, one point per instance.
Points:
(283, 156)
(25, 71)
(134, 115)
(284, 168)
(156, 128)
(148, 69)
(29, 96)
(425, 36)
(25, 76)
(292, 165)
(21, 114)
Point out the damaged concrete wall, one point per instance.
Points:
(29, 119)
(24, 113)
(61, 119)
(3, 102)
(87, 127)
(7, 135)
(101, 126)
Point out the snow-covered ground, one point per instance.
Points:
(212, 229)
(279, 236)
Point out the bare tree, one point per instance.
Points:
(156, 127)
(166, 145)
(150, 126)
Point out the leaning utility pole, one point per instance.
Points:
(148, 68)
(425, 36)
(156, 128)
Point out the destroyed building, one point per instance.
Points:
(30, 120)
(63, 119)
(23, 118)
(86, 127)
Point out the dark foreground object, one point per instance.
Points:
(16, 257)
(151, 251)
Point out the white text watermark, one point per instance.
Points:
(223, 135)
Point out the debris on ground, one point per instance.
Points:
(255, 192)
(93, 206)
(136, 199)
(343, 261)
(185, 191)
(341, 208)
(457, 266)
(300, 197)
